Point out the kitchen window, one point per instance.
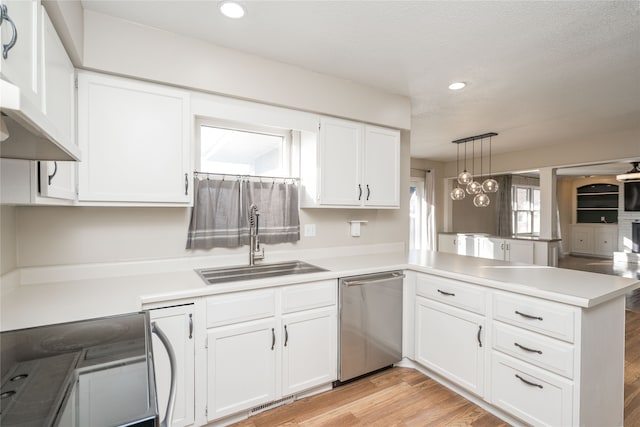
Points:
(243, 149)
(525, 210)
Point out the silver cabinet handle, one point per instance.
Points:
(527, 348)
(168, 416)
(190, 326)
(273, 338)
(186, 184)
(528, 316)
(4, 16)
(55, 171)
(528, 382)
(479, 338)
(286, 335)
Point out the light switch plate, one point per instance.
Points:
(309, 230)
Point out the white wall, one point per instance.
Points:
(121, 47)
(7, 239)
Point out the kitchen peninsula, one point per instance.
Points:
(567, 326)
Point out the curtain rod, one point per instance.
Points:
(238, 176)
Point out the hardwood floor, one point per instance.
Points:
(404, 397)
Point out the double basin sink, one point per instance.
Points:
(213, 276)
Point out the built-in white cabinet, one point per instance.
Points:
(505, 249)
(269, 344)
(594, 239)
(42, 99)
(178, 324)
(459, 244)
(351, 164)
(21, 64)
(450, 331)
(540, 362)
(27, 182)
(135, 138)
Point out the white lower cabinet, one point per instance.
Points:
(530, 360)
(178, 325)
(242, 367)
(533, 395)
(450, 341)
(269, 344)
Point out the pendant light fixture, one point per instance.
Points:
(465, 177)
(457, 193)
(490, 185)
(481, 200)
(473, 187)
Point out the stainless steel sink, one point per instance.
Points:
(260, 271)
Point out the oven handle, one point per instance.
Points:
(168, 416)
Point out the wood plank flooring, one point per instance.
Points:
(402, 397)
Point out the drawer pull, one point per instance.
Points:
(449, 294)
(286, 335)
(479, 331)
(527, 349)
(273, 338)
(528, 382)
(528, 316)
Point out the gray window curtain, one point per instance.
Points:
(504, 226)
(277, 203)
(216, 219)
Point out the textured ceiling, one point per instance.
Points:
(539, 73)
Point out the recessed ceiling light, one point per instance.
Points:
(457, 85)
(231, 9)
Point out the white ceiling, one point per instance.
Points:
(539, 73)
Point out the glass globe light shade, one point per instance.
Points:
(481, 200)
(465, 178)
(490, 185)
(457, 193)
(474, 187)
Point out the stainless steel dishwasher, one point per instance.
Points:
(370, 323)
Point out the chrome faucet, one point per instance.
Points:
(255, 253)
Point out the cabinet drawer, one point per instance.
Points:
(309, 295)
(548, 353)
(240, 307)
(546, 317)
(536, 397)
(458, 294)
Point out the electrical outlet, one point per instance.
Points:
(309, 230)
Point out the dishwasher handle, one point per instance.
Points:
(359, 282)
(168, 416)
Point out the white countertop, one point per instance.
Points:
(44, 303)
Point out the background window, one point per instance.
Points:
(248, 151)
(526, 210)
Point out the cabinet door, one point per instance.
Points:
(58, 84)
(451, 342)
(448, 243)
(242, 367)
(582, 240)
(21, 65)
(134, 138)
(519, 251)
(177, 324)
(340, 152)
(381, 167)
(309, 355)
(58, 180)
(490, 248)
(605, 242)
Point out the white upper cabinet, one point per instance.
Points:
(37, 86)
(135, 138)
(351, 165)
(20, 66)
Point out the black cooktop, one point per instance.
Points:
(93, 372)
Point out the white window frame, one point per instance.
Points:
(531, 211)
(290, 141)
(420, 220)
